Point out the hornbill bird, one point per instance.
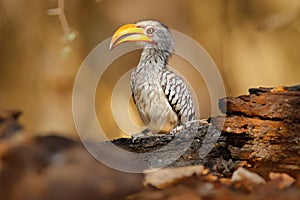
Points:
(162, 98)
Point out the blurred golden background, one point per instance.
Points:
(254, 43)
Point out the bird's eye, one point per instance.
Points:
(150, 30)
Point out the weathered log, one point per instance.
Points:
(261, 130)
(270, 145)
(198, 143)
(280, 104)
(9, 124)
(269, 118)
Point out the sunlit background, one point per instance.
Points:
(254, 43)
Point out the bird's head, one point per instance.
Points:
(152, 34)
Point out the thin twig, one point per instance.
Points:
(60, 12)
(280, 19)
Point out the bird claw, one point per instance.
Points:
(196, 121)
(176, 129)
(186, 125)
(137, 136)
(141, 135)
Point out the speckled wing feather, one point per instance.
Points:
(178, 95)
(131, 86)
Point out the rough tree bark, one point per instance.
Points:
(260, 131)
(270, 120)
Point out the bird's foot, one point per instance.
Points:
(144, 134)
(176, 129)
(186, 125)
(198, 121)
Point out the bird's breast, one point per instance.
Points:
(152, 104)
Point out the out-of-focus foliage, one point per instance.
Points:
(254, 43)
